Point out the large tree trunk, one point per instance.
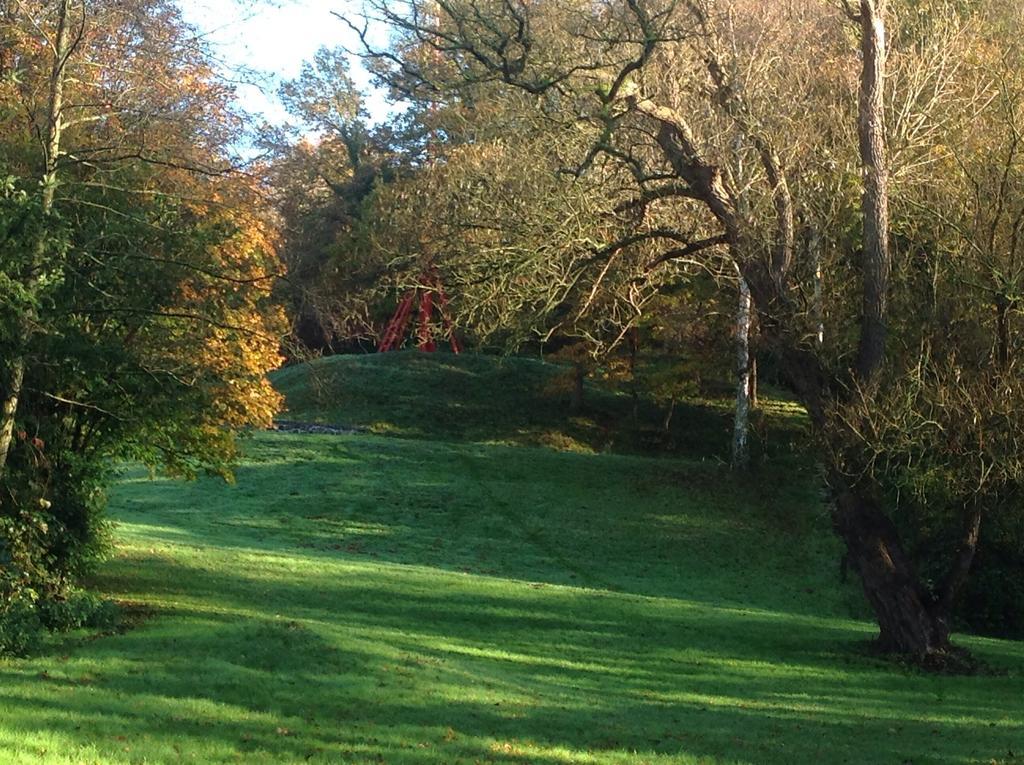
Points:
(909, 621)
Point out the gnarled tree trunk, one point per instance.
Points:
(908, 620)
(912, 621)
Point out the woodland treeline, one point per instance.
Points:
(828, 191)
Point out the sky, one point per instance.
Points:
(273, 38)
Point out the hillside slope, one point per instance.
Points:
(507, 400)
(368, 599)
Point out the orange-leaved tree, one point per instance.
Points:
(136, 274)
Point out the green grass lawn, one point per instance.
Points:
(372, 599)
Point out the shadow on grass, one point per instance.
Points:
(404, 665)
(373, 600)
(680, 529)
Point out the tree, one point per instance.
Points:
(680, 94)
(959, 498)
(136, 318)
(324, 173)
(63, 45)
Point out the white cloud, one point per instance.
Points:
(271, 40)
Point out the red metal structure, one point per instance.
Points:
(430, 288)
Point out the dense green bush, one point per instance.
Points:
(20, 627)
(80, 609)
(51, 535)
(51, 527)
(23, 620)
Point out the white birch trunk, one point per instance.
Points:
(819, 309)
(741, 421)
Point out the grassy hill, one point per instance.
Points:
(512, 401)
(371, 599)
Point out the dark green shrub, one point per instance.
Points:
(51, 534)
(79, 609)
(23, 620)
(52, 531)
(20, 627)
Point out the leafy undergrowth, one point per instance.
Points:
(366, 599)
(507, 400)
